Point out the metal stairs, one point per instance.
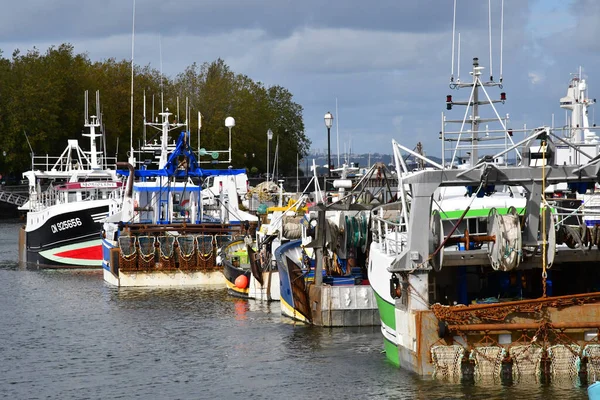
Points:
(12, 197)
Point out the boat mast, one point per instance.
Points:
(92, 123)
(131, 154)
(475, 117)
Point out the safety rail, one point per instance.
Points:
(53, 196)
(56, 163)
(389, 230)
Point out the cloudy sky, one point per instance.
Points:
(387, 62)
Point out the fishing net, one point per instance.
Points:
(447, 361)
(264, 191)
(592, 352)
(488, 360)
(166, 251)
(526, 360)
(564, 359)
(147, 252)
(221, 239)
(127, 253)
(206, 251)
(186, 251)
(291, 227)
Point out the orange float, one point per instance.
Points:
(241, 282)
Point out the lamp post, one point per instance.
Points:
(229, 123)
(328, 124)
(269, 137)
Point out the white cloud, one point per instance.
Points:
(535, 77)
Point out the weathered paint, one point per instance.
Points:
(171, 278)
(571, 321)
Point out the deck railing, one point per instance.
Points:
(389, 229)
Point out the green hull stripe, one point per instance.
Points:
(479, 212)
(391, 352)
(387, 311)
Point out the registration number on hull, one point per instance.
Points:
(64, 225)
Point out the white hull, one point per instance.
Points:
(348, 306)
(265, 292)
(165, 279)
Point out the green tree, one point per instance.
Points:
(41, 95)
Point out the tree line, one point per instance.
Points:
(42, 101)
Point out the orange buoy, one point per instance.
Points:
(241, 282)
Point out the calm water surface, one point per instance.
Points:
(67, 335)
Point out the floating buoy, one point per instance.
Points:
(241, 282)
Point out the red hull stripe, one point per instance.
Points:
(84, 253)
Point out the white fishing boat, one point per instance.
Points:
(510, 293)
(63, 222)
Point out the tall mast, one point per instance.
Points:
(131, 155)
(478, 96)
(475, 117)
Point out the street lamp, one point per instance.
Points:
(329, 124)
(229, 123)
(269, 137)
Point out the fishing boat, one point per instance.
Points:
(159, 234)
(249, 263)
(323, 275)
(63, 221)
(512, 293)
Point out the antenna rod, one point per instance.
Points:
(490, 37)
(337, 131)
(131, 157)
(458, 69)
(453, 29)
(501, 37)
(144, 117)
(199, 126)
(98, 114)
(162, 102)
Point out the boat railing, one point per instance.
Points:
(53, 196)
(389, 229)
(62, 163)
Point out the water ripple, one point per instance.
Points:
(68, 335)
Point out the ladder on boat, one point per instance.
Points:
(12, 198)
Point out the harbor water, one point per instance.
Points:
(67, 335)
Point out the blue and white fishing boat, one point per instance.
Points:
(323, 276)
(159, 235)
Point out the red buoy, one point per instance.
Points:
(241, 282)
